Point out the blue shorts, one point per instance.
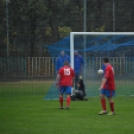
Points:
(66, 89)
(108, 93)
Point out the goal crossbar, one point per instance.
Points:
(72, 34)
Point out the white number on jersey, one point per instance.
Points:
(66, 71)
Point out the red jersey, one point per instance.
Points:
(66, 76)
(109, 74)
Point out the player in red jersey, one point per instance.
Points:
(107, 88)
(65, 78)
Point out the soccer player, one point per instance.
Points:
(78, 65)
(107, 88)
(65, 79)
(61, 59)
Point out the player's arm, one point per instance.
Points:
(82, 60)
(57, 79)
(73, 81)
(104, 80)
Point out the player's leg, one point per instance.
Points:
(103, 102)
(61, 101)
(68, 99)
(79, 95)
(110, 95)
(111, 104)
(61, 96)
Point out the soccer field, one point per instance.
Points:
(27, 112)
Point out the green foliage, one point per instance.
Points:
(30, 21)
(63, 31)
(101, 29)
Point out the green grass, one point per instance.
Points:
(40, 87)
(33, 115)
(24, 88)
(23, 110)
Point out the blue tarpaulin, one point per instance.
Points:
(93, 44)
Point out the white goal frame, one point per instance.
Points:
(72, 34)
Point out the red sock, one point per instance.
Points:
(103, 103)
(61, 101)
(68, 100)
(112, 106)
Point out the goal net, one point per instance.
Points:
(93, 46)
(119, 47)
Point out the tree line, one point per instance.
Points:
(34, 24)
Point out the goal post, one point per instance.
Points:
(118, 46)
(72, 34)
(93, 46)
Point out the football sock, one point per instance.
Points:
(61, 101)
(103, 103)
(68, 100)
(112, 106)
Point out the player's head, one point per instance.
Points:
(62, 53)
(105, 59)
(75, 52)
(66, 63)
(80, 77)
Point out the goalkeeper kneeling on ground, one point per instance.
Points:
(80, 93)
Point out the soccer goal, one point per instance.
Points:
(93, 46)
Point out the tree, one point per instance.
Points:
(52, 9)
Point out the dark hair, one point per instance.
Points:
(106, 59)
(66, 63)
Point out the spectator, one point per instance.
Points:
(61, 59)
(78, 65)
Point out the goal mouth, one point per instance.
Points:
(99, 44)
(93, 46)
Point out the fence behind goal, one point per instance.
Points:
(29, 76)
(45, 66)
(27, 67)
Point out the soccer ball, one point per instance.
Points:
(100, 71)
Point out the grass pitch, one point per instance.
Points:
(33, 115)
(23, 110)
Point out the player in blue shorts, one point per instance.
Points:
(107, 87)
(65, 78)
